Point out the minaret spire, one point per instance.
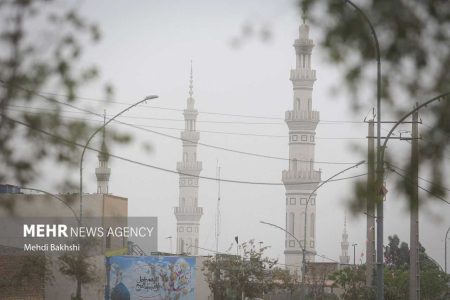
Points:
(188, 213)
(301, 178)
(344, 258)
(191, 100)
(103, 172)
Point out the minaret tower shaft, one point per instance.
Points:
(188, 213)
(301, 178)
(344, 258)
(103, 172)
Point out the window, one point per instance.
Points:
(189, 229)
(291, 244)
(304, 138)
(294, 137)
(302, 201)
(312, 244)
(185, 156)
(313, 221)
(190, 182)
(311, 138)
(292, 201)
(313, 201)
(292, 223)
(181, 229)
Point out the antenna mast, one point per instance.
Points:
(218, 207)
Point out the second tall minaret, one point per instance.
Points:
(301, 178)
(188, 213)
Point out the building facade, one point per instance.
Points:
(188, 213)
(301, 178)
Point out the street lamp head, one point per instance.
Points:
(150, 97)
(360, 163)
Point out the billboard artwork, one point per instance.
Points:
(150, 278)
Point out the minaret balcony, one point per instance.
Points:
(184, 166)
(188, 211)
(300, 175)
(190, 136)
(303, 74)
(310, 116)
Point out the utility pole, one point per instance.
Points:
(414, 268)
(354, 253)
(370, 209)
(218, 207)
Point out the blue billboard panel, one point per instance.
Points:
(150, 278)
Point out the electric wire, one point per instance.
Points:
(179, 138)
(161, 168)
(426, 180)
(420, 187)
(209, 131)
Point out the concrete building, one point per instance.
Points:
(101, 209)
(301, 178)
(188, 213)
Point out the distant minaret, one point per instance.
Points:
(103, 172)
(188, 213)
(344, 258)
(301, 178)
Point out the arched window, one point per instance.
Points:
(313, 221)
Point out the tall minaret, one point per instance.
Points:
(188, 213)
(103, 172)
(344, 258)
(301, 178)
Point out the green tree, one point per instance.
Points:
(231, 276)
(396, 254)
(413, 37)
(77, 265)
(353, 282)
(41, 46)
(434, 283)
(285, 281)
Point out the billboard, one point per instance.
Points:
(150, 278)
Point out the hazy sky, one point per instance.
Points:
(146, 49)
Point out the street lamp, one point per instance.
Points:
(379, 169)
(306, 216)
(54, 196)
(92, 136)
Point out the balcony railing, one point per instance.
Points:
(292, 115)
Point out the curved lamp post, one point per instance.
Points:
(379, 171)
(306, 216)
(92, 136)
(54, 196)
(445, 253)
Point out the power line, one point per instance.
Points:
(178, 138)
(181, 110)
(426, 180)
(322, 122)
(161, 168)
(212, 131)
(420, 187)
